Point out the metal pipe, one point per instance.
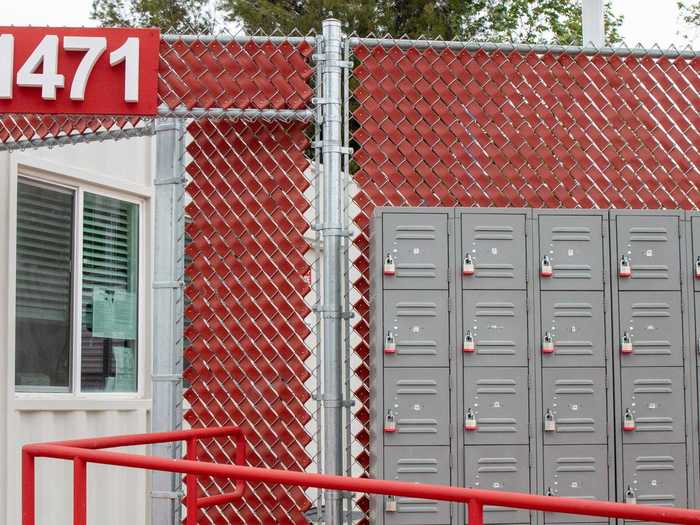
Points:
(475, 513)
(236, 113)
(79, 492)
(240, 39)
(83, 138)
(191, 496)
(593, 22)
(332, 229)
(28, 489)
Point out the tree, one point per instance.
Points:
(177, 16)
(689, 13)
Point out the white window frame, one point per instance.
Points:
(82, 183)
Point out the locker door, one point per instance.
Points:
(576, 325)
(574, 244)
(655, 398)
(421, 465)
(417, 321)
(653, 322)
(498, 399)
(420, 401)
(418, 244)
(576, 471)
(576, 399)
(499, 468)
(695, 225)
(497, 322)
(656, 474)
(651, 243)
(496, 243)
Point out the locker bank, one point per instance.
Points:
(544, 351)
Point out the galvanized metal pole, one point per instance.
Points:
(168, 274)
(593, 22)
(332, 228)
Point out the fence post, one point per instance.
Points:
(79, 492)
(475, 512)
(332, 232)
(168, 272)
(28, 489)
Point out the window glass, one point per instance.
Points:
(109, 295)
(43, 287)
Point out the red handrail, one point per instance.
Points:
(87, 451)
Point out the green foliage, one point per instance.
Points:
(176, 16)
(690, 19)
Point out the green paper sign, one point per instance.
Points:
(113, 314)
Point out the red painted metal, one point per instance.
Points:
(474, 498)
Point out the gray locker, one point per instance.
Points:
(656, 474)
(575, 471)
(574, 245)
(417, 322)
(417, 242)
(420, 401)
(576, 399)
(651, 244)
(422, 465)
(498, 399)
(496, 244)
(655, 398)
(497, 322)
(654, 324)
(576, 324)
(694, 254)
(494, 467)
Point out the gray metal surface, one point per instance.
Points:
(694, 250)
(497, 320)
(418, 322)
(574, 244)
(656, 474)
(420, 464)
(496, 242)
(498, 467)
(417, 243)
(576, 398)
(576, 323)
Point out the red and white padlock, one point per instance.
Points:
(697, 267)
(630, 497)
(469, 346)
(468, 265)
(550, 424)
(390, 422)
(470, 421)
(546, 269)
(390, 504)
(389, 265)
(625, 266)
(390, 343)
(626, 344)
(547, 343)
(628, 423)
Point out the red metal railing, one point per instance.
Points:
(85, 451)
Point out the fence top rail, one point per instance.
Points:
(405, 43)
(225, 38)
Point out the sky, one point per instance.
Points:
(646, 21)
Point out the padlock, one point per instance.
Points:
(546, 269)
(468, 265)
(550, 425)
(389, 265)
(697, 267)
(469, 345)
(630, 496)
(390, 422)
(626, 344)
(549, 492)
(390, 344)
(629, 423)
(390, 503)
(470, 420)
(547, 343)
(625, 267)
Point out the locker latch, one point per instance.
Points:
(630, 497)
(390, 343)
(629, 423)
(389, 265)
(468, 265)
(550, 425)
(390, 503)
(697, 267)
(549, 492)
(626, 344)
(470, 420)
(390, 422)
(625, 266)
(469, 345)
(546, 269)
(547, 343)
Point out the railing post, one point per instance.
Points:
(28, 489)
(79, 492)
(332, 228)
(191, 496)
(475, 513)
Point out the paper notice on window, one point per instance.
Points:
(113, 314)
(125, 369)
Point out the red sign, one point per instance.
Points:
(94, 71)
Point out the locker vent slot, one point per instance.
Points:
(493, 233)
(646, 234)
(416, 309)
(571, 233)
(417, 466)
(425, 233)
